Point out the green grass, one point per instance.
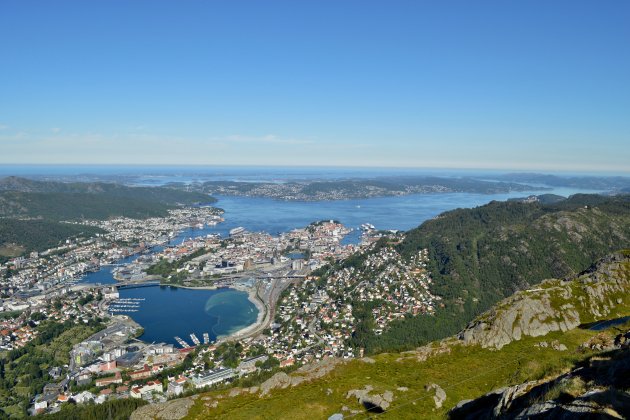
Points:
(467, 372)
(60, 347)
(14, 411)
(11, 250)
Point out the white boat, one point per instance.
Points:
(237, 231)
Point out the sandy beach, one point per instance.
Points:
(262, 320)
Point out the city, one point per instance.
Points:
(302, 318)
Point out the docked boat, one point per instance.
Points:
(237, 231)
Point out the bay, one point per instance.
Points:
(168, 312)
(399, 213)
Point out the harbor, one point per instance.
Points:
(185, 317)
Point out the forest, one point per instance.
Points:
(482, 255)
(49, 200)
(22, 236)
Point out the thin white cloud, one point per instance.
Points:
(4, 127)
(268, 138)
(55, 130)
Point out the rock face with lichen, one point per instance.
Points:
(594, 390)
(372, 401)
(439, 394)
(556, 305)
(303, 374)
(170, 410)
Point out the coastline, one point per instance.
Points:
(252, 329)
(261, 318)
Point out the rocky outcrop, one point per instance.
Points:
(170, 410)
(279, 380)
(592, 390)
(440, 395)
(303, 374)
(557, 305)
(374, 402)
(421, 354)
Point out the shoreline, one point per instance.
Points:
(261, 317)
(252, 328)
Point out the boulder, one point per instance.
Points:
(440, 394)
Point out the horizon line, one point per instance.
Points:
(324, 166)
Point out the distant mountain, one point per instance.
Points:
(18, 237)
(343, 189)
(20, 197)
(585, 182)
(31, 211)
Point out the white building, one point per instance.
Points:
(211, 377)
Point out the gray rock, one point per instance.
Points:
(364, 397)
(440, 394)
(279, 380)
(170, 410)
(554, 307)
(556, 345)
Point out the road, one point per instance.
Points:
(267, 293)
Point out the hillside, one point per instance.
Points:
(31, 211)
(343, 189)
(429, 381)
(587, 182)
(22, 236)
(471, 259)
(482, 255)
(20, 197)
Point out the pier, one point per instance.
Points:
(182, 343)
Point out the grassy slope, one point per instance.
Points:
(465, 372)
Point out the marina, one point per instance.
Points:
(170, 314)
(182, 343)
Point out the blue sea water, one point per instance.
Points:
(399, 213)
(167, 312)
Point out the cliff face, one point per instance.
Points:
(592, 389)
(603, 291)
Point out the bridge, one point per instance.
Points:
(136, 285)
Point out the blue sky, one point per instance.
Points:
(471, 84)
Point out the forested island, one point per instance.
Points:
(345, 189)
